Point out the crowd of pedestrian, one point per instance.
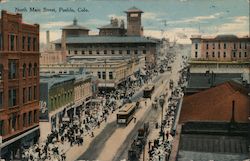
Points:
(73, 131)
(160, 148)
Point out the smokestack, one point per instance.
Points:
(47, 38)
(63, 46)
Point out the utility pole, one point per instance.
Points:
(105, 83)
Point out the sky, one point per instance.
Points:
(173, 19)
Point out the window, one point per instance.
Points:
(213, 55)
(29, 94)
(0, 41)
(128, 51)
(136, 52)
(207, 46)
(105, 51)
(1, 127)
(12, 97)
(35, 69)
(234, 45)
(90, 52)
(120, 51)
(75, 52)
(234, 54)
(28, 45)
(98, 52)
(245, 54)
(24, 119)
(196, 46)
(240, 45)
(196, 54)
(23, 43)
(83, 52)
(30, 118)
(12, 69)
(1, 71)
(34, 44)
(24, 70)
(213, 45)
(12, 42)
(218, 54)
(35, 93)
(30, 69)
(69, 52)
(206, 54)
(225, 54)
(225, 45)
(112, 52)
(110, 75)
(24, 95)
(13, 123)
(219, 45)
(103, 75)
(239, 54)
(245, 44)
(35, 116)
(99, 75)
(144, 51)
(1, 99)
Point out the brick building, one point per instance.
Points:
(214, 125)
(223, 54)
(19, 84)
(134, 22)
(220, 48)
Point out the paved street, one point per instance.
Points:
(114, 142)
(98, 144)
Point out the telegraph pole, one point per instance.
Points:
(105, 84)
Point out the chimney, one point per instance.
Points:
(47, 38)
(63, 45)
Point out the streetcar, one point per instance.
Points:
(126, 113)
(148, 91)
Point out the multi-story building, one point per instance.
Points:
(223, 55)
(62, 95)
(221, 48)
(110, 71)
(113, 55)
(19, 84)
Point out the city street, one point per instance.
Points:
(104, 148)
(103, 143)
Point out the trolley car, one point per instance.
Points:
(148, 91)
(126, 113)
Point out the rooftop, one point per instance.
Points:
(53, 79)
(134, 9)
(203, 81)
(219, 37)
(75, 26)
(215, 104)
(106, 39)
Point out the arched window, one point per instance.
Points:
(30, 69)
(24, 70)
(35, 69)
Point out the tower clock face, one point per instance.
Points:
(134, 15)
